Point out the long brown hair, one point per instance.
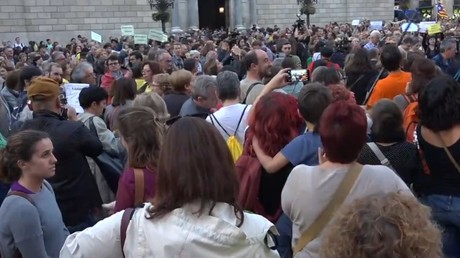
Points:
(195, 165)
(143, 134)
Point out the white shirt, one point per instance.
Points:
(228, 118)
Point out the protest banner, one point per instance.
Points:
(72, 92)
(140, 39)
(376, 25)
(434, 29)
(412, 28)
(96, 37)
(127, 30)
(355, 23)
(158, 35)
(424, 26)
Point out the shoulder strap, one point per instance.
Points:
(23, 195)
(92, 127)
(376, 150)
(217, 121)
(138, 187)
(357, 80)
(449, 154)
(326, 215)
(249, 90)
(127, 216)
(241, 118)
(142, 88)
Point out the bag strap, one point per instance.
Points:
(326, 215)
(21, 194)
(92, 127)
(449, 154)
(143, 88)
(241, 118)
(125, 219)
(138, 187)
(357, 80)
(217, 121)
(249, 90)
(376, 150)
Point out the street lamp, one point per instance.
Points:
(160, 3)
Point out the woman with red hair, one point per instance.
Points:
(274, 122)
(309, 189)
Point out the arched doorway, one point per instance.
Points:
(213, 14)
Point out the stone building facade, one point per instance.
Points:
(63, 19)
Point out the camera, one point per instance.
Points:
(299, 24)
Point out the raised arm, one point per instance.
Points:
(271, 165)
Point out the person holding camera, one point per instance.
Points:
(75, 187)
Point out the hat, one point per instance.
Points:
(43, 86)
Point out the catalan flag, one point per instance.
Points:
(442, 14)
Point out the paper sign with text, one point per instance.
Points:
(72, 92)
(435, 28)
(412, 28)
(355, 23)
(140, 39)
(376, 25)
(127, 30)
(424, 26)
(158, 35)
(96, 37)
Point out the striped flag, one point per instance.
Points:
(441, 11)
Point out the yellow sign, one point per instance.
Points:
(435, 28)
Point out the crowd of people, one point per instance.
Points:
(208, 146)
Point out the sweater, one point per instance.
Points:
(37, 230)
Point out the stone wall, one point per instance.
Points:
(63, 19)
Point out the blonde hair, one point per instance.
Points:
(163, 80)
(179, 79)
(153, 101)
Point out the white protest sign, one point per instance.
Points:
(127, 30)
(412, 28)
(96, 37)
(376, 25)
(158, 35)
(140, 39)
(355, 23)
(72, 92)
(424, 26)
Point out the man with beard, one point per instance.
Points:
(54, 72)
(257, 66)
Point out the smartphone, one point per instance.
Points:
(289, 77)
(299, 75)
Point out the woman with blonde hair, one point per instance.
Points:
(154, 102)
(380, 226)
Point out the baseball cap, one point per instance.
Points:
(44, 87)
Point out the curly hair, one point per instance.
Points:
(380, 226)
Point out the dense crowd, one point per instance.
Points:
(332, 142)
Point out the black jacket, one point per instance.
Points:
(74, 185)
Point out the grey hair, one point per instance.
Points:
(48, 66)
(447, 44)
(55, 55)
(159, 54)
(79, 72)
(201, 86)
(228, 85)
(318, 73)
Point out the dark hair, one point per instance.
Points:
(343, 128)
(143, 134)
(391, 58)
(206, 173)
(107, 45)
(12, 79)
(228, 86)
(122, 90)
(20, 146)
(92, 94)
(408, 40)
(137, 54)
(136, 69)
(154, 66)
(27, 73)
(190, 64)
(423, 71)
(249, 59)
(113, 57)
(411, 58)
(329, 76)
(387, 122)
(99, 66)
(280, 43)
(439, 104)
(313, 99)
(288, 62)
(326, 52)
(359, 63)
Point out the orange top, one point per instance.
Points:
(394, 84)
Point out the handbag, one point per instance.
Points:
(111, 166)
(334, 204)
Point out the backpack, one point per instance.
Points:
(249, 172)
(236, 148)
(411, 120)
(249, 90)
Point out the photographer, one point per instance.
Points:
(302, 36)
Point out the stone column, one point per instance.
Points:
(176, 19)
(238, 14)
(252, 12)
(193, 14)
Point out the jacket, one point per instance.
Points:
(107, 138)
(75, 187)
(181, 233)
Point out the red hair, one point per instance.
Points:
(343, 129)
(274, 121)
(339, 92)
